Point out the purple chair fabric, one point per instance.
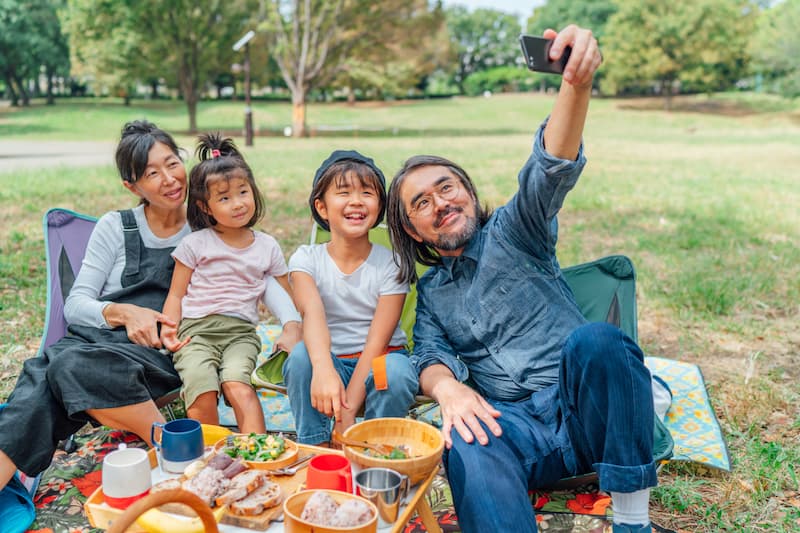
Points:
(66, 235)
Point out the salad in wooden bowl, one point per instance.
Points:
(263, 451)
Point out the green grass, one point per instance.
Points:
(704, 200)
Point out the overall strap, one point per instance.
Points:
(132, 245)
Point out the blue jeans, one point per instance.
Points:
(314, 427)
(599, 416)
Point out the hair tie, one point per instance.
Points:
(215, 153)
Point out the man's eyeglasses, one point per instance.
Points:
(423, 205)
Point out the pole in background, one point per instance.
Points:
(248, 110)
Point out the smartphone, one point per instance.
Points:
(536, 51)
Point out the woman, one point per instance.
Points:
(109, 367)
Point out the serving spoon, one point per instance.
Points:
(382, 449)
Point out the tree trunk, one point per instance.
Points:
(50, 96)
(666, 89)
(299, 116)
(191, 107)
(154, 89)
(351, 96)
(26, 100)
(10, 88)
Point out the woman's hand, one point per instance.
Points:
(327, 392)
(141, 323)
(292, 334)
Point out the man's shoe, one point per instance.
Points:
(631, 528)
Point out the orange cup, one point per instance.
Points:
(330, 471)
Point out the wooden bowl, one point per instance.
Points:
(424, 442)
(286, 458)
(293, 508)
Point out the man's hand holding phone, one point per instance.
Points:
(572, 52)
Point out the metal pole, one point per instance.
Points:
(248, 111)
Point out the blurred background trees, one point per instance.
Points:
(382, 49)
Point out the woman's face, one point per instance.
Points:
(163, 183)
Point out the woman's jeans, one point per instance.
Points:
(314, 427)
(599, 416)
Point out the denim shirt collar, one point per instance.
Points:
(472, 250)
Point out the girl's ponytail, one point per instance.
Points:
(213, 145)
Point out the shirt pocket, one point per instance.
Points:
(515, 299)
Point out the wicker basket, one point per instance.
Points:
(424, 442)
(293, 509)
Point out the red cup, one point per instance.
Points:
(330, 471)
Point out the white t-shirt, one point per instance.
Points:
(350, 299)
(227, 280)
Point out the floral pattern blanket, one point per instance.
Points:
(72, 478)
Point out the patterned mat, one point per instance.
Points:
(72, 478)
(690, 419)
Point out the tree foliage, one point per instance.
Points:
(31, 41)
(483, 39)
(185, 41)
(775, 47)
(316, 42)
(688, 44)
(556, 14)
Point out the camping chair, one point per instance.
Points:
(66, 235)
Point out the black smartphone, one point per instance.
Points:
(536, 51)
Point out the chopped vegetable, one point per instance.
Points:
(398, 452)
(255, 447)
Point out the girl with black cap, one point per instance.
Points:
(354, 353)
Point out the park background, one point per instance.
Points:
(692, 141)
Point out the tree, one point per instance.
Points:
(484, 39)
(697, 44)
(555, 14)
(312, 40)
(183, 40)
(776, 46)
(30, 38)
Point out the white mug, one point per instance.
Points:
(126, 476)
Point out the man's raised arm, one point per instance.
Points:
(562, 135)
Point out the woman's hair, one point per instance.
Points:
(133, 150)
(219, 160)
(407, 250)
(338, 174)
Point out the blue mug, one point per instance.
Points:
(180, 443)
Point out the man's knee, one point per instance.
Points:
(598, 343)
(298, 364)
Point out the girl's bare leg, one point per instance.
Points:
(246, 407)
(204, 409)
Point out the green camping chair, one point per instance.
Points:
(605, 291)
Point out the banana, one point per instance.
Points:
(155, 521)
(152, 520)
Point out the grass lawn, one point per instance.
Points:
(704, 199)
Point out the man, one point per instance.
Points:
(529, 392)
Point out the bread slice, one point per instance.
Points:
(241, 485)
(267, 495)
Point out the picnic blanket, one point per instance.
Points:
(72, 478)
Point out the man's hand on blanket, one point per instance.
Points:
(464, 409)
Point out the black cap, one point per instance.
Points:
(335, 157)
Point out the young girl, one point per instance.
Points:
(221, 271)
(350, 300)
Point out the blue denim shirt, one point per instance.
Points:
(499, 313)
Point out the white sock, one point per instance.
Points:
(631, 507)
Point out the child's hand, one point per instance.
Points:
(346, 419)
(169, 338)
(328, 392)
